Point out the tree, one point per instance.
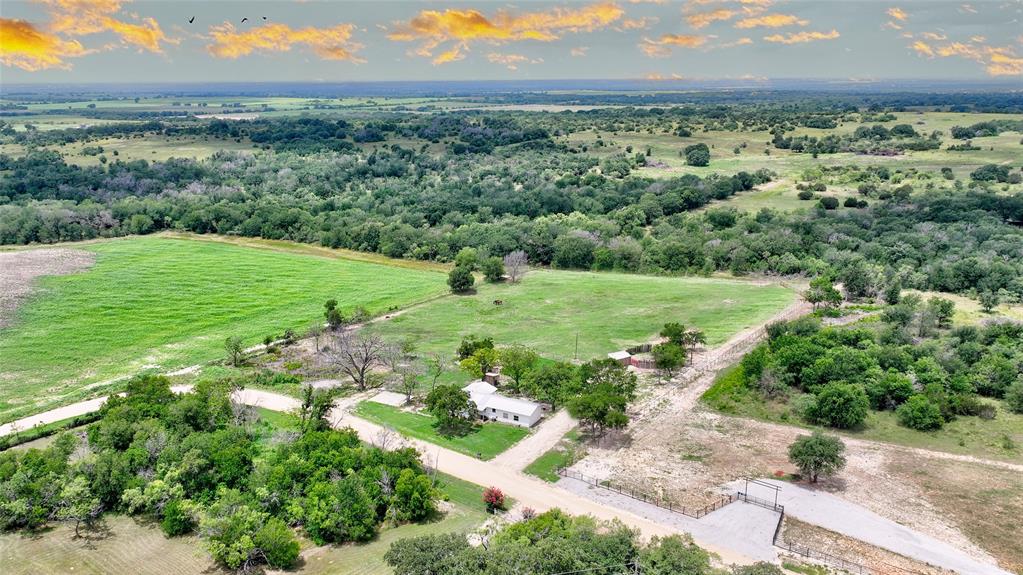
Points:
(471, 343)
(988, 301)
(339, 511)
(413, 495)
(829, 202)
(355, 354)
(674, 555)
(822, 291)
(515, 265)
(481, 362)
(315, 331)
(452, 407)
(920, 413)
(516, 362)
(697, 154)
(435, 369)
(674, 332)
(817, 455)
(234, 348)
(691, 339)
(409, 380)
(428, 554)
(668, 357)
(841, 405)
(335, 320)
(467, 258)
(551, 382)
(78, 503)
(493, 269)
(600, 409)
(315, 407)
(461, 280)
(943, 310)
(493, 497)
(1014, 396)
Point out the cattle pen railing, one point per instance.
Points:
(688, 511)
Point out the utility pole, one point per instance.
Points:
(575, 355)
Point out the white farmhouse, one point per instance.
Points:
(496, 407)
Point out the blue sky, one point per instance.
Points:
(336, 41)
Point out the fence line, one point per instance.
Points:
(694, 512)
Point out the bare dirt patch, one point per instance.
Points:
(879, 561)
(19, 270)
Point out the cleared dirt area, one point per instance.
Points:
(20, 269)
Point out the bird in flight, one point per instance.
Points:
(264, 17)
(244, 20)
(192, 19)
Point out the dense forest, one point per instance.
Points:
(503, 182)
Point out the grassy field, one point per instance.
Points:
(487, 441)
(549, 309)
(162, 302)
(998, 438)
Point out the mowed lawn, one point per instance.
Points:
(607, 311)
(156, 302)
(486, 442)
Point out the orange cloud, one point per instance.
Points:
(86, 17)
(1004, 64)
(334, 43)
(661, 47)
(24, 46)
(933, 36)
(432, 28)
(639, 23)
(771, 21)
(802, 37)
(702, 19)
(511, 61)
(654, 76)
(897, 13)
(923, 48)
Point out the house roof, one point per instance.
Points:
(618, 355)
(484, 396)
(509, 404)
(479, 386)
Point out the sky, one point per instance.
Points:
(101, 41)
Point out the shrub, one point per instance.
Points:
(805, 195)
(493, 269)
(1014, 396)
(840, 405)
(829, 203)
(460, 279)
(176, 520)
(697, 154)
(493, 497)
(920, 413)
(278, 543)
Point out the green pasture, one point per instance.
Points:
(160, 302)
(553, 312)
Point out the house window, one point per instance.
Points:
(516, 418)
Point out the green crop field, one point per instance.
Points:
(168, 302)
(549, 310)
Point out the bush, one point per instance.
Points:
(829, 203)
(920, 413)
(176, 520)
(1014, 396)
(697, 155)
(840, 405)
(461, 280)
(493, 498)
(278, 543)
(805, 195)
(493, 269)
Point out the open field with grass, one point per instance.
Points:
(488, 440)
(607, 311)
(160, 302)
(565, 453)
(998, 438)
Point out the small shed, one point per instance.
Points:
(492, 377)
(623, 357)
